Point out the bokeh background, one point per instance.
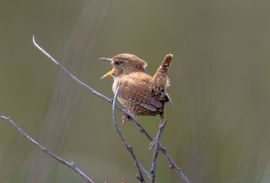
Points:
(218, 125)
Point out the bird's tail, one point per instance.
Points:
(160, 79)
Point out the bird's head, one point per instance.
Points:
(124, 63)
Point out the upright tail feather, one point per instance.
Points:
(166, 61)
(160, 79)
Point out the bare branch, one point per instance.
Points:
(173, 165)
(69, 164)
(124, 141)
(156, 149)
(164, 151)
(93, 91)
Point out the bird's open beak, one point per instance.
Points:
(110, 73)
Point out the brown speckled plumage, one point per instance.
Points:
(139, 93)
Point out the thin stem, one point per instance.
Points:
(77, 80)
(156, 149)
(124, 141)
(69, 164)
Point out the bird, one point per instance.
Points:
(139, 93)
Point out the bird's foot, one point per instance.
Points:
(127, 115)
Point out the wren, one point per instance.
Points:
(138, 92)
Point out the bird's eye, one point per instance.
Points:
(117, 62)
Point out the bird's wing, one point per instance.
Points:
(139, 92)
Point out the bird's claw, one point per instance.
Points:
(127, 115)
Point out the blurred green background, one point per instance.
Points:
(218, 126)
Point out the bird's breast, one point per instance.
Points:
(114, 86)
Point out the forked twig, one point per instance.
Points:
(164, 151)
(124, 141)
(69, 164)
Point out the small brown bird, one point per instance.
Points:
(138, 92)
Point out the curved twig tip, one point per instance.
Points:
(33, 39)
(43, 51)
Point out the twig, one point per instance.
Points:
(69, 164)
(156, 149)
(93, 91)
(164, 151)
(124, 141)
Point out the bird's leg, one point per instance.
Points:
(125, 118)
(127, 115)
(162, 119)
(162, 124)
